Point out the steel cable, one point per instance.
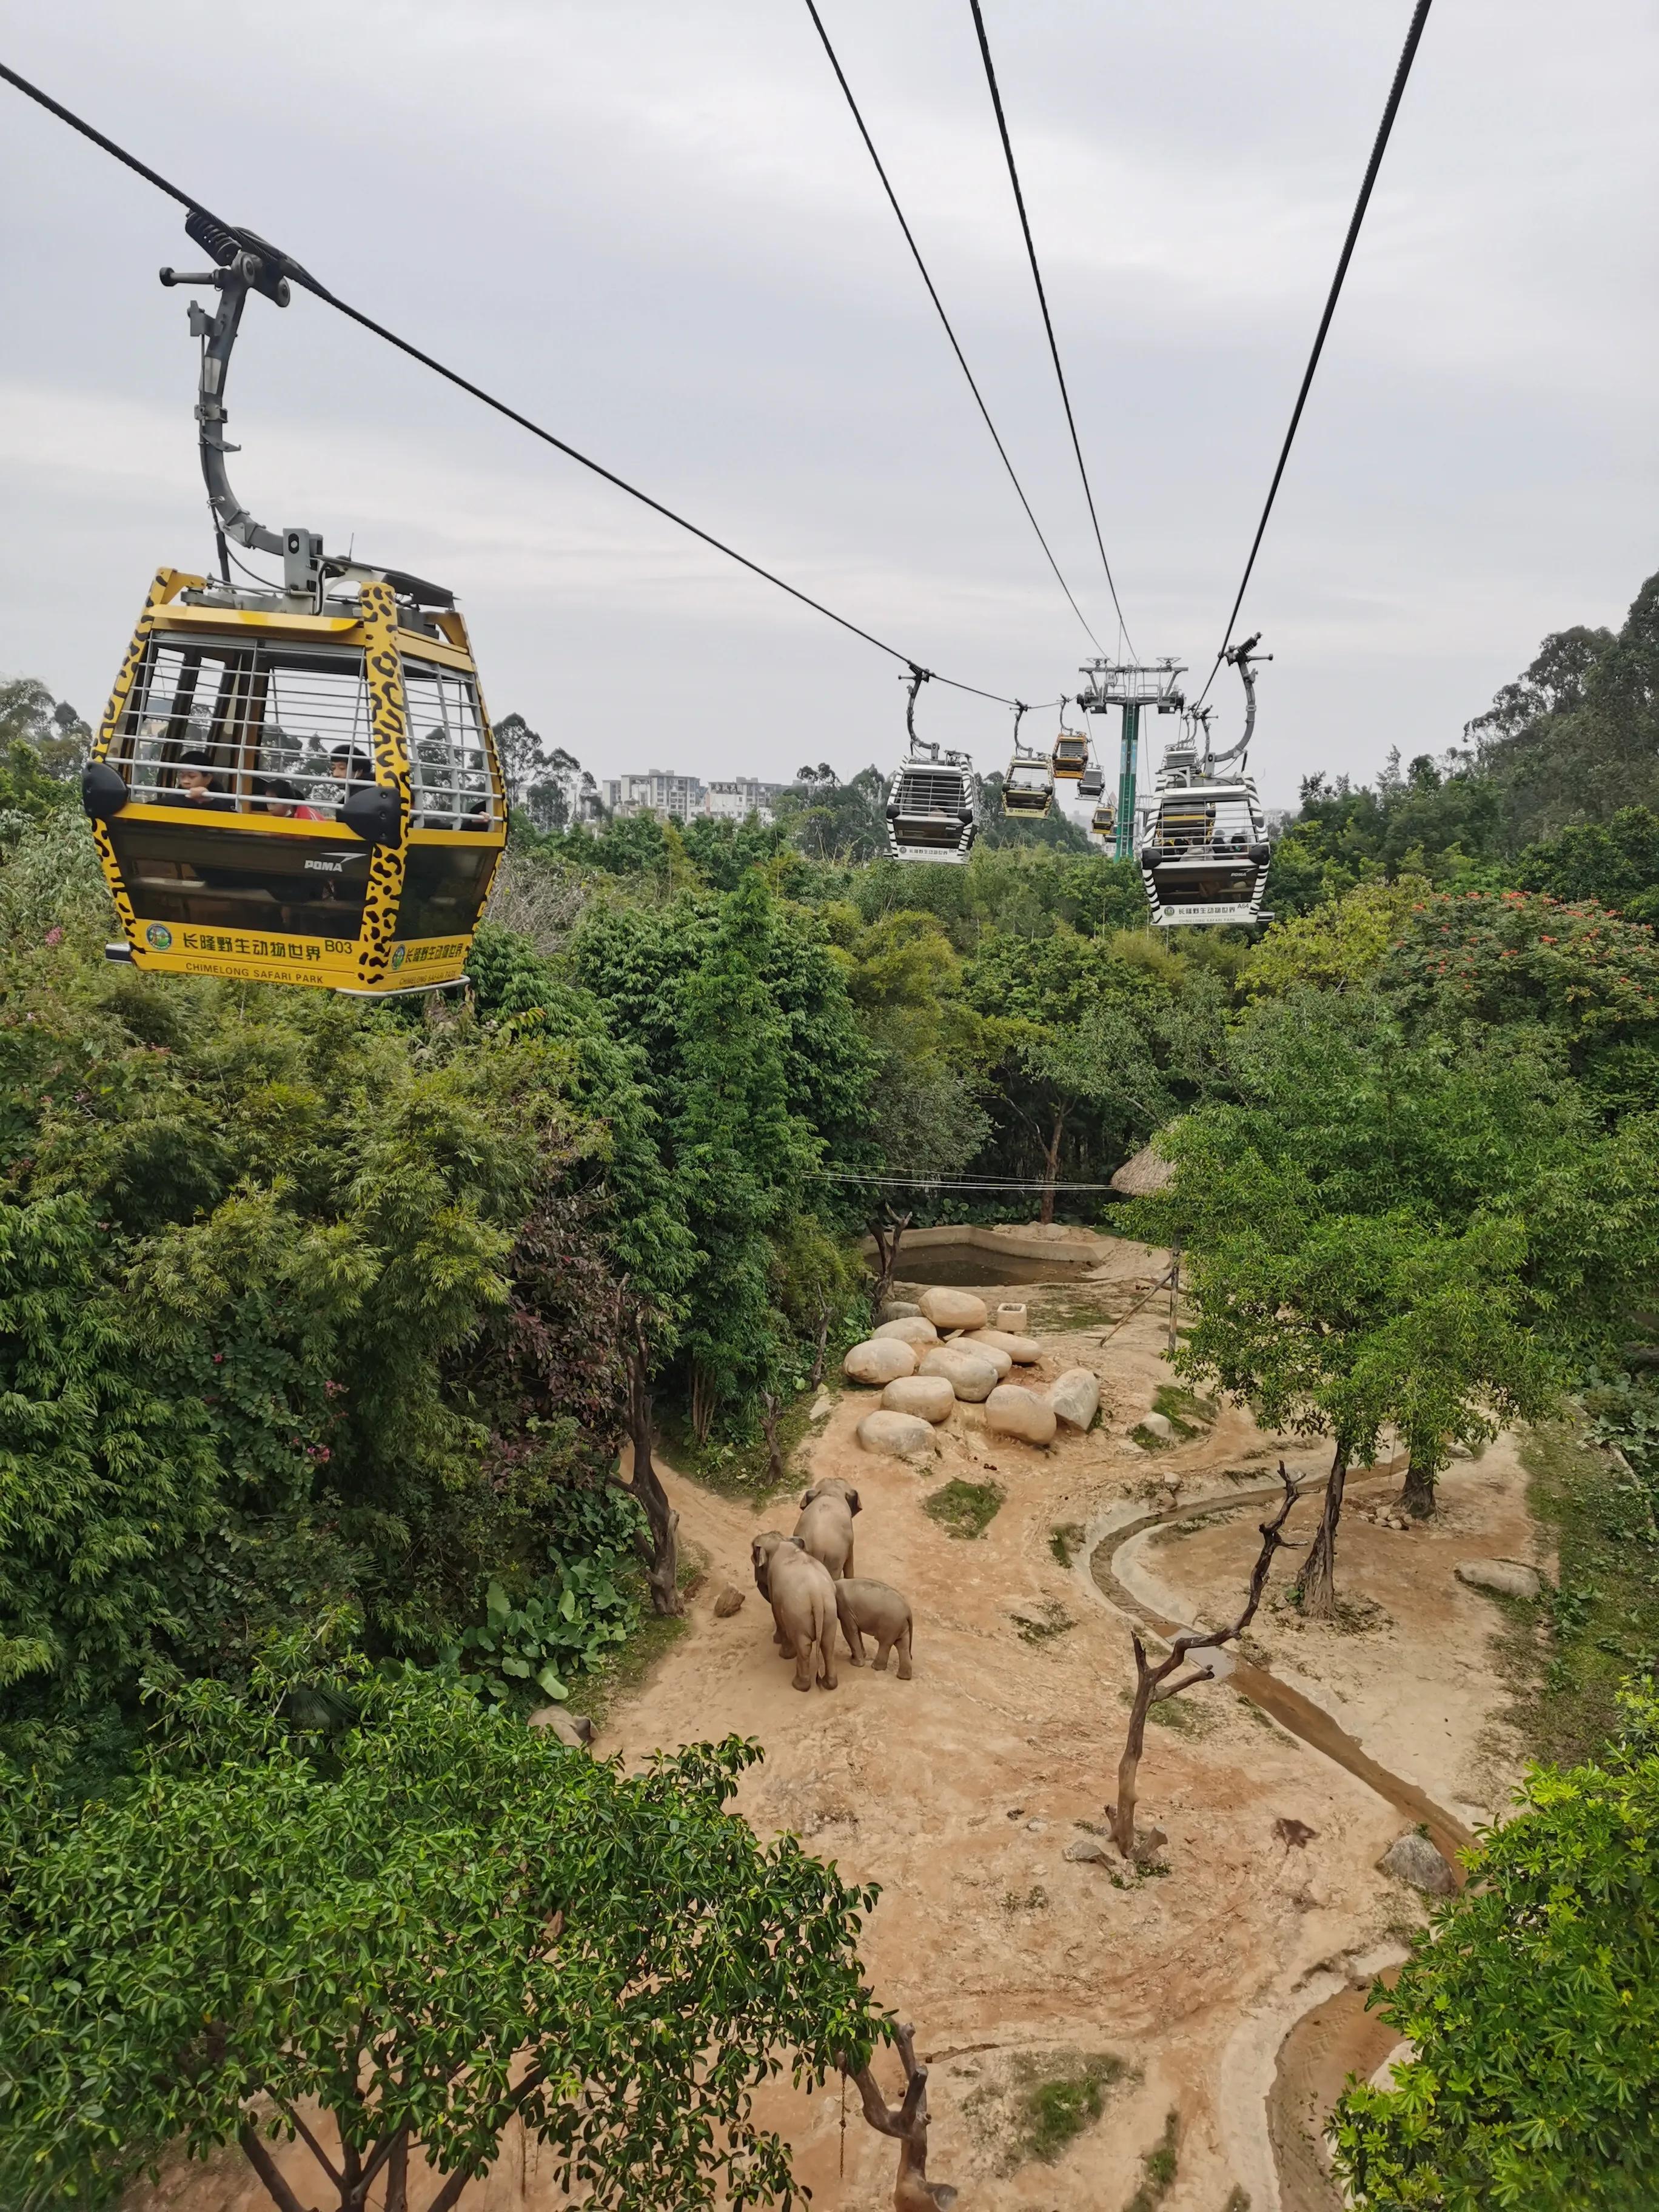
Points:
(1396, 91)
(1047, 321)
(932, 294)
(296, 274)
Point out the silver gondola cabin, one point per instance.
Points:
(1205, 852)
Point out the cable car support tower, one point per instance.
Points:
(1129, 686)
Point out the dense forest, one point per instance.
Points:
(322, 1327)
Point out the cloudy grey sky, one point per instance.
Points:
(652, 226)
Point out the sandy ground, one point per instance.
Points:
(959, 1791)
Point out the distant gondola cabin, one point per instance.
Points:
(297, 797)
(1070, 754)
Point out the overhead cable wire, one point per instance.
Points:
(939, 304)
(1396, 92)
(296, 274)
(1043, 302)
(955, 1182)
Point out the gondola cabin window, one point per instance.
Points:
(221, 732)
(250, 713)
(451, 786)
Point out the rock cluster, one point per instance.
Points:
(1075, 1397)
(883, 1359)
(909, 1329)
(954, 1309)
(970, 1374)
(905, 1436)
(1508, 1578)
(929, 1396)
(1411, 1857)
(1012, 1411)
(1021, 1351)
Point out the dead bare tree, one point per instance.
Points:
(1154, 1684)
(888, 1235)
(908, 2123)
(820, 1341)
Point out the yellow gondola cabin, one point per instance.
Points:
(295, 797)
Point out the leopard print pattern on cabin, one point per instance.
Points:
(167, 585)
(385, 668)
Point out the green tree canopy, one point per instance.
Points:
(432, 1921)
(1533, 2005)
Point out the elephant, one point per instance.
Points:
(880, 1611)
(825, 1526)
(801, 1592)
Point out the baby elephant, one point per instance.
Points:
(825, 1526)
(880, 1612)
(801, 1593)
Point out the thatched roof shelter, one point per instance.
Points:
(1146, 1175)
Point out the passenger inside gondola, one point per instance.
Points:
(196, 786)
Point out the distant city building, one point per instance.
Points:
(681, 797)
(737, 800)
(659, 791)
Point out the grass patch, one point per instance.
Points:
(1157, 2168)
(1044, 2104)
(738, 1469)
(1177, 1713)
(1187, 1414)
(965, 1508)
(1065, 1541)
(1601, 1623)
(1052, 1620)
(1149, 1441)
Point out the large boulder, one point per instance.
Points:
(1075, 1397)
(1411, 1857)
(975, 1342)
(909, 1328)
(881, 1360)
(895, 1309)
(1508, 1578)
(903, 1436)
(1012, 1411)
(929, 1396)
(954, 1309)
(1158, 1425)
(970, 1374)
(1016, 1320)
(1022, 1351)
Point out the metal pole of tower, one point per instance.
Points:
(1123, 848)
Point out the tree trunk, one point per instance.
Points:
(660, 1552)
(1418, 1495)
(887, 1236)
(396, 2180)
(1316, 1584)
(770, 1412)
(1051, 1166)
(1128, 1767)
(820, 1346)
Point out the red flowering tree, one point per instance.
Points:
(1520, 957)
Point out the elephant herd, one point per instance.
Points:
(808, 1580)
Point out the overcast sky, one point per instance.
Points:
(653, 228)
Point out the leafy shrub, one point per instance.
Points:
(564, 1627)
(1532, 2002)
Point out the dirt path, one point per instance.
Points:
(1337, 2037)
(960, 1790)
